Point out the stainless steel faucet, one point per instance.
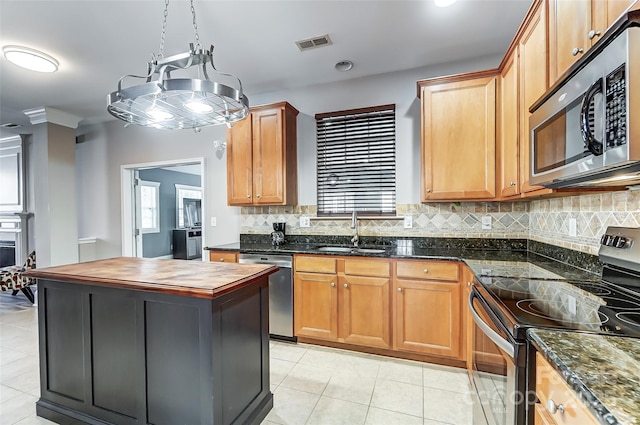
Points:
(354, 225)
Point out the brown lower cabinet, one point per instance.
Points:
(558, 403)
(332, 305)
(406, 308)
(428, 310)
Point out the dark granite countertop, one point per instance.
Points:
(493, 261)
(603, 370)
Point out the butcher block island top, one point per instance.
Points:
(179, 277)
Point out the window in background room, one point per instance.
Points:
(184, 191)
(357, 161)
(150, 206)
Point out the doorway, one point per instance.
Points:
(153, 199)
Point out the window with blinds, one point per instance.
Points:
(357, 161)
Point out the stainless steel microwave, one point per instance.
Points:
(587, 133)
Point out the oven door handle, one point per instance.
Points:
(494, 336)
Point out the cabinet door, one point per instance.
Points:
(268, 156)
(239, 163)
(533, 83)
(316, 305)
(604, 13)
(428, 318)
(458, 140)
(223, 256)
(364, 311)
(508, 163)
(569, 25)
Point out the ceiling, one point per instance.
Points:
(97, 42)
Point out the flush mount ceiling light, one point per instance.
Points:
(444, 3)
(168, 103)
(31, 59)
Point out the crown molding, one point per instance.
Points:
(52, 115)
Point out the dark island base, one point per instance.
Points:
(122, 356)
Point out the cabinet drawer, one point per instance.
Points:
(550, 386)
(315, 264)
(541, 416)
(223, 256)
(367, 267)
(428, 270)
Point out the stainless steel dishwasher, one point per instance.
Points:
(280, 293)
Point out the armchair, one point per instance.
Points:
(13, 279)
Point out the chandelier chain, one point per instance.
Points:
(195, 25)
(164, 28)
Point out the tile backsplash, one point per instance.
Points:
(544, 220)
(549, 218)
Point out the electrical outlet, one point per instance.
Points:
(571, 305)
(573, 227)
(305, 222)
(214, 221)
(408, 222)
(486, 222)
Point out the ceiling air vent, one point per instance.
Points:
(312, 43)
(10, 125)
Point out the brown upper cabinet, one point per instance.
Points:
(459, 137)
(508, 129)
(576, 25)
(262, 157)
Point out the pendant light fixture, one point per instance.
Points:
(169, 103)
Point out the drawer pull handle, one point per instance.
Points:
(552, 407)
(426, 270)
(222, 260)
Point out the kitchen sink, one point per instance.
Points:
(335, 248)
(350, 249)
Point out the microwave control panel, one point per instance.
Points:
(616, 108)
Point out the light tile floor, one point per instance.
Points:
(311, 385)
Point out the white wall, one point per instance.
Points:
(109, 146)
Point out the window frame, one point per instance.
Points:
(346, 205)
(156, 227)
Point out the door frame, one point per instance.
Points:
(132, 246)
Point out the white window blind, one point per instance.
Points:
(357, 161)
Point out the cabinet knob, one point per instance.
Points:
(248, 196)
(552, 407)
(469, 283)
(576, 50)
(333, 284)
(399, 289)
(426, 270)
(593, 34)
(427, 190)
(346, 286)
(512, 183)
(222, 260)
(257, 196)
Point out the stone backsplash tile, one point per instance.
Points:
(545, 220)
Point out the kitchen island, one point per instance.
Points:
(133, 340)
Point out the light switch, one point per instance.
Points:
(214, 221)
(573, 227)
(305, 222)
(571, 305)
(408, 222)
(486, 222)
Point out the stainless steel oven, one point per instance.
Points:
(498, 368)
(505, 304)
